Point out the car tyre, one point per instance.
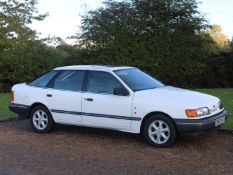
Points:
(159, 131)
(41, 120)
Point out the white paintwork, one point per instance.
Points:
(169, 100)
(65, 101)
(92, 67)
(109, 105)
(172, 101)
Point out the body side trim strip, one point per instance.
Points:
(66, 112)
(96, 115)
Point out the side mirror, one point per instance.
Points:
(121, 92)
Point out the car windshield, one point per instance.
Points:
(138, 80)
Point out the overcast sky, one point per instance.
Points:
(64, 15)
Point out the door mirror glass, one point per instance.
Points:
(121, 92)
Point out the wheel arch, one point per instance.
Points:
(147, 116)
(36, 104)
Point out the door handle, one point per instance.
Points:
(89, 99)
(49, 95)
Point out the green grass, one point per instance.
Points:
(226, 95)
(4, 103)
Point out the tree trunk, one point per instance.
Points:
(3, 86)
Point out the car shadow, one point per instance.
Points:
(119, 136)
(97, 132)
(107, 135)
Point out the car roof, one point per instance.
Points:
(93, 67)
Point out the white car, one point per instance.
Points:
(117, 98)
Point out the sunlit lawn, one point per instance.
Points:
(4, 103)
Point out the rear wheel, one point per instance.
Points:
(41, 119)
(159, 131)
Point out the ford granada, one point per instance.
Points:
(118, 98)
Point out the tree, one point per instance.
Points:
(162, 38)
(217, 35)
(14, 19)
(28, 61)
(72, 54)
(15, 16)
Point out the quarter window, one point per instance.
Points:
(69, 80)
(43, 80)
(102, 82)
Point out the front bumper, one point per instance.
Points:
(198, 127)
(21, 110)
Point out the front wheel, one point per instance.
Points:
(41, 119)
(159, 131)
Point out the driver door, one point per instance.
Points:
(100, 107)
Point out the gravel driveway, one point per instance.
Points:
(78, 150)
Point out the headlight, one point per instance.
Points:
(193, 113)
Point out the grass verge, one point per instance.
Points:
(226, 95)
(4, 103)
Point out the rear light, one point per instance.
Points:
(12, 96)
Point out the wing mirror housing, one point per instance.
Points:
(121, 92)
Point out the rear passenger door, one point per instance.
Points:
(100, 107)
(64, 96)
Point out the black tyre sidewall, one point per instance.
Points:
(171, 126)
(50, 125)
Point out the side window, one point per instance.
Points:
(69, 80)
(43, 80)
(102, 82)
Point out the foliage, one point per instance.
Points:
(14, 19)
(71, 54)
(15, 36)
(22, 55)
(221, 39)
(29, 60)
(168, 41)
(222, 68)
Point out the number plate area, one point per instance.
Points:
(220, 121)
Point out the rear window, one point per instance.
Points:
(69, 80)
(43, 80)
